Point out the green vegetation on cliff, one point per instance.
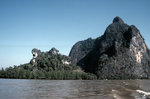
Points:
(48, 65)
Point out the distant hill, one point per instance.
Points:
(47, 65)
(120, 53)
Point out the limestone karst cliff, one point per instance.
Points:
(119, 53)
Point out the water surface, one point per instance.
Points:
(73, 89)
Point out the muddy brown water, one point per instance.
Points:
(74, 89)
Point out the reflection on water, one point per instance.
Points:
(73, 89)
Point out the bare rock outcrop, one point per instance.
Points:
(120, 53)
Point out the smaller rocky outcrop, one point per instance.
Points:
(47, 65)
(66, 60)
(50, 55)
(35, 53)
(54, 51)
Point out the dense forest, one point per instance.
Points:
(47, 65)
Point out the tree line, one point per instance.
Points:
(47, 66)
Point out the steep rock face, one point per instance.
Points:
(118, 54)
(80, 49)
(36, 52)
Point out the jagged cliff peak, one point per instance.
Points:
(117, 19)
(36, 50)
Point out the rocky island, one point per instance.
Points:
(120, 53)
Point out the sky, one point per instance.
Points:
(43, 24)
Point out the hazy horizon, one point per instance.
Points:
(28, 24)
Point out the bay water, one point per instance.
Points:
(74, 89)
